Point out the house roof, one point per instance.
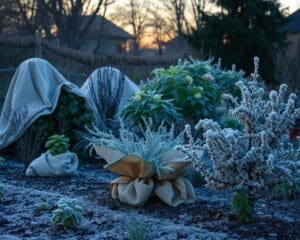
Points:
(177, 42)
(105, 28)
(293, 25)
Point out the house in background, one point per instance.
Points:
(104, 37)
(177, 46)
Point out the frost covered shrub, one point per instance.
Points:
(68, 213)
(257, 158)
(148, 104)
(194, 86)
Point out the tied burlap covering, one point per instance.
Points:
(47, 165)
(138, 181)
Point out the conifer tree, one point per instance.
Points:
(240, 30)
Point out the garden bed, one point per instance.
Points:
(23, 217)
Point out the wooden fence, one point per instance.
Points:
(75, 65)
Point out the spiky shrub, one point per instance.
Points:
(148, 104)
(256, 159)
(69, 213)
(106, 97)
(57, 144)
(194, 86)
(151, 146)
(136, 230)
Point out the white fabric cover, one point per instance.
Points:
(114, 76)
(36, 85)
(47, 165)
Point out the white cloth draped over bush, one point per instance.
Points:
(35, 89)
(107, 90)
(33, 92)
(48, 165)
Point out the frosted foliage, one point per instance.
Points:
(261, 155)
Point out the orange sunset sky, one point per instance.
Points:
(293, 5)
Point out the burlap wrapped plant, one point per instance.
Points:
(146, 165)
(56, 162)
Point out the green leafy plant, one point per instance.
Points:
(136, 230)
(57, 144)
(148, 104)
(190, 85)
(194, 86)
(243, 205)
(68, 213)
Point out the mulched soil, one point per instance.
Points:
(209, 218)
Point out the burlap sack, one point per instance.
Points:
(47, 165)
(135, 184)
(171, 187)
(175, 192)
(134, 192)
(110, 155)
(173, 165)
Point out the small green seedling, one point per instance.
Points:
(243, 206)
(44, 206)
(58, 144)
(68, 213)
(1, 190)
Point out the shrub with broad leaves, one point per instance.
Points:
(149, 104)
(188, 91)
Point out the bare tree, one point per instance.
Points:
(161, 30)
(134, 14)
(198, 8)
(176, 9)
(32, 16)
(70, 18)
(6, 16)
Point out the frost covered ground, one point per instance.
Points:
(209, 218)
